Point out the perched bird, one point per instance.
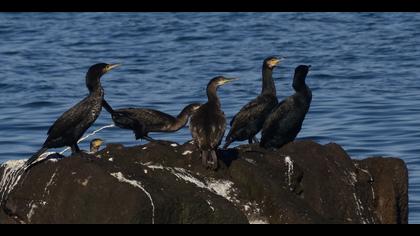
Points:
(285, 121)
(208, 124)
(70, 127)
(250, 119)
(143, 121)
(95, 145)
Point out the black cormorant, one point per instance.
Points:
(208, 124)
(70, 127)
(250, 119)
(285, 121)
(142, 121)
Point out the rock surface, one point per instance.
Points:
(163, 182)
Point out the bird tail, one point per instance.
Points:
(36, 156)
(107, 107)
(214, 159)
(229, 140)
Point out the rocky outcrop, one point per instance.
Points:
(164, 182)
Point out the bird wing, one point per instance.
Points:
(280, 116)
(253, 111)
(217, 130)
(149, 117)
(207, 127)
(70, 119)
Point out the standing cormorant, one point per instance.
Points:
(285, 122)
(142, 121)
(250, 119)
(70, 127)
(208, 124)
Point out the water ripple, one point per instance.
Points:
(364, 73)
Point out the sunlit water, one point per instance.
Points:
(364, 73)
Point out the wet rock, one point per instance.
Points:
(163, 182)
(390, 186)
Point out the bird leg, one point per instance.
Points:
(213, 160)
(204, 158)
(250, 140)
(255, 139)
(75, 148)
(215, 166)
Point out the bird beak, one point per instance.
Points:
(229, 80)
(112, 66)
(277, 61)
(98, 143)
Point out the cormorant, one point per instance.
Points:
(285, 121)
(142, 121)
(70, 127)
(208, 123)
(250, 119)
(95, 145)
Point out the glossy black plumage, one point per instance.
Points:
(285, 122)
(143, 121)
(208, 124)
(250, 119)
(70, 126)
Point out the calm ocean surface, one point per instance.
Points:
(364, 75)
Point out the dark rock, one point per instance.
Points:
(390, 185)
(5, 219)
(162, 182)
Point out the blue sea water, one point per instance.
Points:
(364, 75)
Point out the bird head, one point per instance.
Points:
(302, 70)
(96, 71)
(272, 61)
(95, 145)
(221, 80)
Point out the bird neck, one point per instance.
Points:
(212, 94)
(181, 120)
(300, 86)
(94, 85)
(268, 86)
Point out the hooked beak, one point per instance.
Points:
(277, 61)
(112, 66)
(229, 80)
(274, 62)
(98, 142)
